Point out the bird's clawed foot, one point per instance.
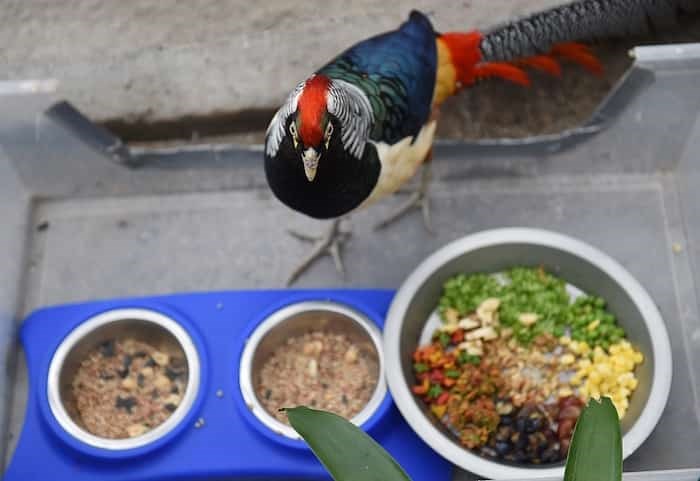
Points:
(419, 199)
(330, 243)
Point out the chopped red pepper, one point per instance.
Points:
(458, 336)
(449, 382)
(437, 375)
(443, 398)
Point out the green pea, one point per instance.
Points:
(420, 367)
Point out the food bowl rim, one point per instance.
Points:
(442, 444)
(280, 316)
(90, 325)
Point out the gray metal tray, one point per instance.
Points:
(77, 226)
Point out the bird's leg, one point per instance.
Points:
(329, 243)
(417, 200)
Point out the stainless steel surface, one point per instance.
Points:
(202, 218)
(147, 326)
(298, 319)
(579, 264)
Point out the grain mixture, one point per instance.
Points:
(125, 388)
(321, 370)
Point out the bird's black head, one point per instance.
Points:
(307, 163)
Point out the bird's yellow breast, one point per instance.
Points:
(446, 74)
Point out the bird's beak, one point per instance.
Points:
(310, 158)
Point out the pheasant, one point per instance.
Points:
(361, 126)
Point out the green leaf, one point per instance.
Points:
(345, 450)
(595, 453)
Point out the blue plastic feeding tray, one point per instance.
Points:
(219, 430)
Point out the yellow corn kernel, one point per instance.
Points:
(575, 380)
(583, 390)
(625, 344)
(632, 384)
(604, 369)
(593, 324)
(438, 410)
(574, 346)
(565, 391)
(594, 378)
(564, 340)
(567, 359)
(624, 392)
(620, 412)
(638, 357)
(595, 394)
(584, 364)
(584, 348)
(599, 354)
(614, 349)
(623, 378)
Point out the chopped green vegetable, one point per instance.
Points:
(453, 373)
(420, 367)
(435, 390)
(532, 290)
(465, 358)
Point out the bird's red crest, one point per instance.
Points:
(312, 108)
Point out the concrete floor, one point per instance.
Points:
(153, 69)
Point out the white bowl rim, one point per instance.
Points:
(661, 346)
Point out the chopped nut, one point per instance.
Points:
(136, 430)
(473, 348)
(172, 399)
(313, 368)
(451, 316)
(528, 318)
(486, 333)
(161, 358)
(147, 372)
(504, 408)
(129, 383)
(351, 355)
(161, 382)
(489, 305)
(449, 328)
(506, 332)
(468, 323)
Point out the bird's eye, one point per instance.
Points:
(329, 130)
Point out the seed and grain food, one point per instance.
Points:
(125, 388)
(320, 369)
(514, 361)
